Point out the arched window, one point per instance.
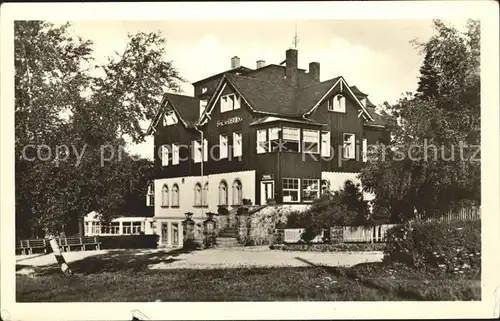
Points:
(164, 195)
(150, 196)
(237, 192)
(175, 195)
(223, 193)
(197, 194)
(204, 197)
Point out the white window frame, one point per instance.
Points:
(229, 102)
(262, 141)
(237, 192)
(307, 182)
(175, 153)
(136, 228)
(223, 199)
(165, 155)
(297, 132)
(274, 136)
(349, 146)
(170, 118)
(205, 150)
(127, 228)
(365, 150)
(337, 103)
(175, 195)
(204, 194)
(198, 194)
(237, 144)
(150, 195)
(165, 195)
(291, 189)
(223, 146)
(197, 151)
(307, 138)
(325, 144)
(114, 228)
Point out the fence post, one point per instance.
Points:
(59, 257)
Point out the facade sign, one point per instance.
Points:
(232, 120)
(266, 177)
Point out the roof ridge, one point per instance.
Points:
(180, 95)
(255, 79)
(321, 82)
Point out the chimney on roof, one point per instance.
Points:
(235, 62)
(260, 63)
(314, 71)
(291, 67)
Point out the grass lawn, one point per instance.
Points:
(364, 282)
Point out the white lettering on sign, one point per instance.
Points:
(232, 120)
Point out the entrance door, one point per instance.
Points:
(266, 191)
(164, 233)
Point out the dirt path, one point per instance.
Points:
(260, 256)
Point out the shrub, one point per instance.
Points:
(222, 210)
(442, 247)
(339, 208)
(129, 241)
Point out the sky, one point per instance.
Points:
(374, 55)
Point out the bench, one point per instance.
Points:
(79, 242)
(27, 246)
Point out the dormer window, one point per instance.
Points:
(170, 118)
(229, 102)
(337, 104)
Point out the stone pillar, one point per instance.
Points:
(243, 220)
(209, 230)
(188, 235)
(336, 235)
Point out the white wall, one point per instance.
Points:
(247, 179)
(186, 194)
(186, 198)
(338, 179)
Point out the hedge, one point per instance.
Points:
(440, 247)
(343, 247)
(129, 241)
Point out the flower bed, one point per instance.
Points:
(440, 247)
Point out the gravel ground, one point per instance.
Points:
(260, 256)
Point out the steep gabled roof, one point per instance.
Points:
(358, 92)
(264, 96)
(378, 120)
(240, 69)
(307, 97)
(185, 107)
(278, 99)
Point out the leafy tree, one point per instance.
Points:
(430, 165)
(59, 102)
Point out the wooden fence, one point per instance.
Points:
(464, 214)
(360, 234)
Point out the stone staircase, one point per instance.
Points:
(228, 237)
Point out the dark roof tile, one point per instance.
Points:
(187, 107)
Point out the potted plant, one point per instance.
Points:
(271, 201)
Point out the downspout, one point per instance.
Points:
(201, 168)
